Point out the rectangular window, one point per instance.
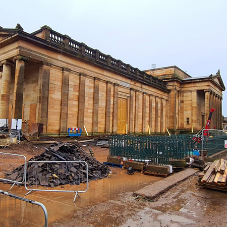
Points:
(187, 121)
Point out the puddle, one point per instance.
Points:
(60, 205)
(167, 218)
(154, 218)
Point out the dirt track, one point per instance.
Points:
(184, 205)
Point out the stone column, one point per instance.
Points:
(214, 116)
(108, 106)
(81, 101)
(18, 87)
(5, 90)
(161, 116)
(164, 115)
(156, 114)
(150, 113)
(207, 104)
(136, 112)
(0, 82)
(43, 95)
(144, 113)
(95, 105)
(211, 106)
(194, 114)
(131, 111)
(115, 108)
(64, 100)
(217, 111)
(221, 113)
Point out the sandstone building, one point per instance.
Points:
(48, 79)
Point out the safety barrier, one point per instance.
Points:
(214, 141)
(3, 167)
(18, 211)
(51, 180)
(74, 131)
(154, 149)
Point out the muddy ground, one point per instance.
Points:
(109, 201)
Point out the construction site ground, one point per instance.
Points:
(109, 201)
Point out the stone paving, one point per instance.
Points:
(153, 190)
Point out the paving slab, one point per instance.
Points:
(159, 187)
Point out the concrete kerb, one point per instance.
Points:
(154, 190)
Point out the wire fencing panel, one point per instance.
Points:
(155, 149)
(18, 211)
(6, 164)
(53, 176)
(215, 141)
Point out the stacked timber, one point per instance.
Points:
(215, 175)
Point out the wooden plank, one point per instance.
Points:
(217, 166)
(222, 166)
(217, 177)
(224, 176)
(220, 179)
(211, 180)
(209, 172)
(207, 167)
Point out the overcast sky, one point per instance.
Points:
(190, 34)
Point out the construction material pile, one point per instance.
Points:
(58, 173)
(215, 175)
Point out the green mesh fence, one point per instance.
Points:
(215, 141)
(155, 149)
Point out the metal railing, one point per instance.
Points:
(3, 173)
(154, 149)
(50, 181)
(214, 141)
(18, 211)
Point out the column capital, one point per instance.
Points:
(6, 62)
(20, 57)
(109, 82)
(97, 79)
(207, 90)
(82, 74)
(45, 63)
(116, 84)
(66, 70)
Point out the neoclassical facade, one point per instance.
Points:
(52, 82)
(190, 99)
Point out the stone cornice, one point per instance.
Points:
(79, 50)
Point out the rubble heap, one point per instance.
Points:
(56, 173)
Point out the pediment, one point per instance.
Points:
(218, 80)
(5, 32)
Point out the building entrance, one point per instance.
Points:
(122, 116)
